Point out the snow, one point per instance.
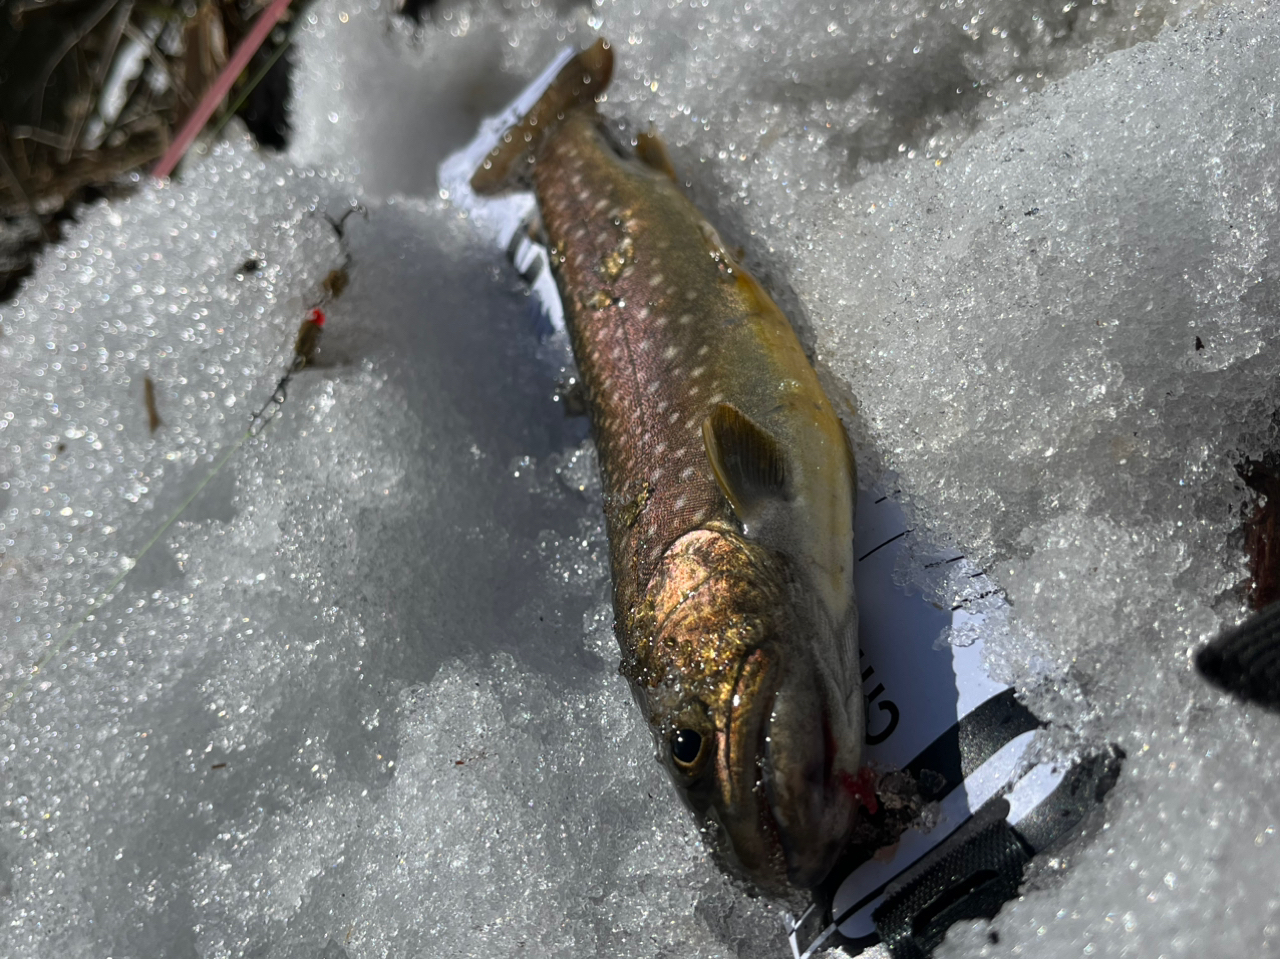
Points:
(361, 698)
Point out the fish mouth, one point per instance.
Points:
(788, 811)
(749, 823)
(812, 752)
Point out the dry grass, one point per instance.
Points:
(93, 89)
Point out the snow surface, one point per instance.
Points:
(361, 698)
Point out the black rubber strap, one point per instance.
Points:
(944, 764)
(1245, 661)
(968, 744)
(972, 880)
(1057, 818)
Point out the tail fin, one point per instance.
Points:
(577, 85)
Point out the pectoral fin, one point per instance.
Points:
(747, 461)
(652, 152)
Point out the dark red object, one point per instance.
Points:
(863, 788)
(1262, 530)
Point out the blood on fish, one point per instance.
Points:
(862, 788)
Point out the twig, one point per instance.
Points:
(24, 132)
(22, 195)
(138, 99)
(213, 96)
(157, 60)
(20, 8)
(339, 225)
(304, 347)
(252, 84)
(100, 75)
(134, 108)
(94, 19)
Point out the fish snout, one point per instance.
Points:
(811, 752)
(743, 811)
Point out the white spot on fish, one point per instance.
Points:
(655, 279)
(670, 353)
(685, 319)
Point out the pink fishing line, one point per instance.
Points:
(213, 96)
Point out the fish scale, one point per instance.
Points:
(637, 343)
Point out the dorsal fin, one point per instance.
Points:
(652, 152)
(747, 461)
(575, 86)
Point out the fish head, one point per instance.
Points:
(751, 714)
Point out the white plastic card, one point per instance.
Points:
(917, 690)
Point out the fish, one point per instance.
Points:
(729, 490)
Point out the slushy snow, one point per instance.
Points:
(360, 699)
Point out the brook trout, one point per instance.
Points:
(729, 491)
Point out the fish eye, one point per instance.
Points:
(686, 749)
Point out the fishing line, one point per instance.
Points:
(257, 426)
(305, 343)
